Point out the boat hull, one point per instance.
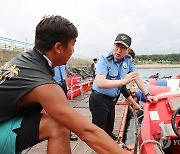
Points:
(156, 117)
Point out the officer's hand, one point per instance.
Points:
(136, 106)
(152, 99)
(130, 77)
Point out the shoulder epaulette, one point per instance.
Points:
(128, 55)
(110, 57)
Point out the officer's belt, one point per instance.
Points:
(105, 96)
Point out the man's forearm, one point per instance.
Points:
(141, 85)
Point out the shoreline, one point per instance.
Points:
(158, 66)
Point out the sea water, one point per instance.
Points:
(163, 72)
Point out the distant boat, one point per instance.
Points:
(154, 75)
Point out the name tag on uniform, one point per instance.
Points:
(124, 65)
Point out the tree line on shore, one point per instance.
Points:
(159, 58)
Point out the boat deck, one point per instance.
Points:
(80, 104)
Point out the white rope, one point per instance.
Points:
(140, 116)
(150, 141)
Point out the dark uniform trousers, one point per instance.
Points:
(63, 85)
(102, 108)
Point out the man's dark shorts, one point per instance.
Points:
(28, 133)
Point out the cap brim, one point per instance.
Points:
(121, 42)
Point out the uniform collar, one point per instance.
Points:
(118, 61)
(110, 56)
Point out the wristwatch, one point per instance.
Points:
(148, 94)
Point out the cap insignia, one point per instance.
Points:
(123, 37)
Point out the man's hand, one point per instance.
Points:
(130, 77)
(152, 99)
(136, 106)
(127, 149)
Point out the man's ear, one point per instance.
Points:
(58, 47)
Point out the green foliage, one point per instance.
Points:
(158, 58)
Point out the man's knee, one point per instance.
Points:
(50, 128)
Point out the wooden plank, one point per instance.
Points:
(81, 148)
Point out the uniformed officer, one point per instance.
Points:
(112, 72)
(60, 77)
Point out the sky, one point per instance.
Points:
(153, 25)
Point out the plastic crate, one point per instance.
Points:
(71, 80)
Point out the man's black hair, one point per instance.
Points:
(53, 29)
(132, 53)
(95, 59)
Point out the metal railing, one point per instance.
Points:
(11, 44)
(20, 46)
